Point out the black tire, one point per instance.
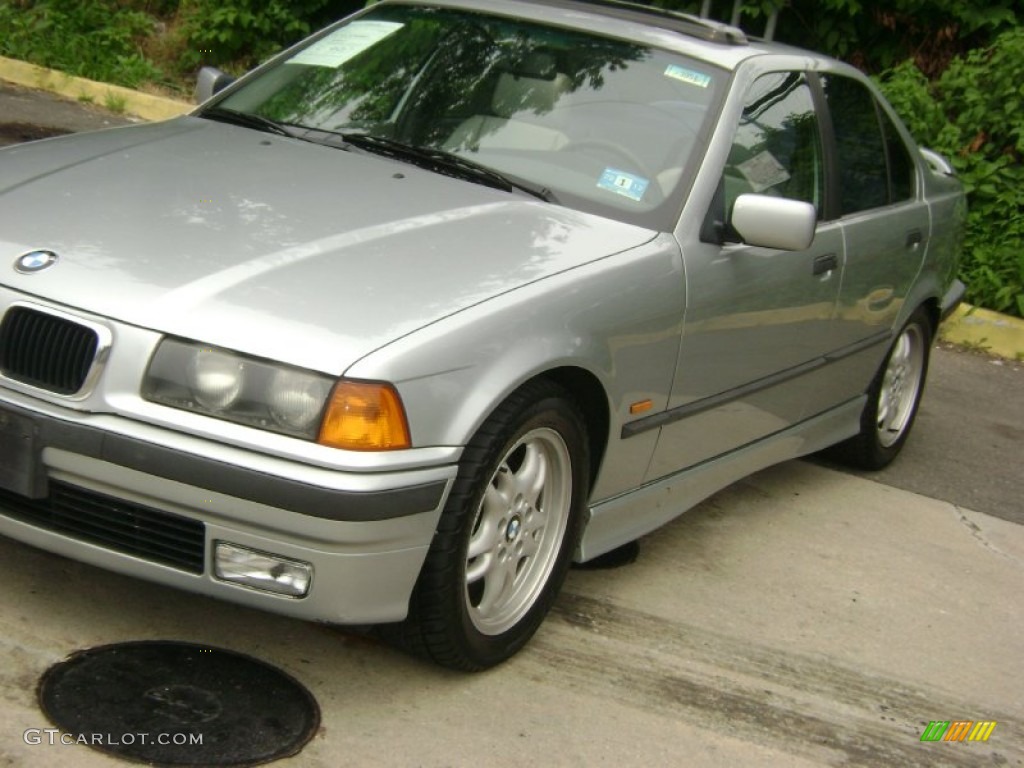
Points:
(893, 399)
(459, 618)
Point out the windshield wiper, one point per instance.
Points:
(449, 164)
(260, 123)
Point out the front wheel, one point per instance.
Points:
(893, 398)
(506, 536)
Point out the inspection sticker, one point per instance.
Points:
(763, 171)
(699, 79)
(346, 43)
(622, 183)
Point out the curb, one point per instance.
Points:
(144, 105)
(985, 330)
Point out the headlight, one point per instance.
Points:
(297, 399)
(349, 415)
(234, 387)
(215, 378)
(353, 415)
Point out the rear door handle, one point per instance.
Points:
(825, 263)
(914, 239)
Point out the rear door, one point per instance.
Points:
(884, 222)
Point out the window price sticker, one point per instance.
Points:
(345, 43)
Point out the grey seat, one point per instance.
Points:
(518, 106)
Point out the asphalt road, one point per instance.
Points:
(802, 617)
(967, 446)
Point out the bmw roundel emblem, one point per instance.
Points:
(35, 261)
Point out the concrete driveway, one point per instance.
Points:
(802, 617)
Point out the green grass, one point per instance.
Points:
(114, 103)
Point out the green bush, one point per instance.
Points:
(244, 32)
(874, 34)
(972, 114)
(97, 39)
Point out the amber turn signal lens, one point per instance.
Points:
(364, 416)
(641, 407)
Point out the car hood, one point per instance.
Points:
(271, 245)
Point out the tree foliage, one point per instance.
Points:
(247, 31)
(875, 34)
(972, 114)
(88, 38)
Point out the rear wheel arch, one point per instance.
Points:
(932, 308)
(893, 396)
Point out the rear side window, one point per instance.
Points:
(875, 168)
(901, 168)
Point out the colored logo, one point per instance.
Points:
(35, 261)
(958, 730)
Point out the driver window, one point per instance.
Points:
(776, 150)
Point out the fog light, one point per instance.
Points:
(262, 570)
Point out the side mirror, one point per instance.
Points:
(937, 162)
(774, 222)
(209, 81)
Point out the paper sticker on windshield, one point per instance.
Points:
(346, 43)
(699, 79)
(763, 171)
(622, 183)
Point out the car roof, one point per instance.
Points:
(706, 39)
(703, 29)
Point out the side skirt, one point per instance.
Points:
(621, 519)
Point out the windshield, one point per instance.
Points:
(607, 125)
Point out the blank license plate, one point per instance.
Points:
(18, 465)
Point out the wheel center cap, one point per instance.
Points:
(515, 526)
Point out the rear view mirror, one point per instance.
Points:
(774, 222)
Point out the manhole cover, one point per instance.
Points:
(168, 703)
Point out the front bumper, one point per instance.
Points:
(150, 509)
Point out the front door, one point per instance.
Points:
(758, 320)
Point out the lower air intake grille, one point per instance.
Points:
(115, 524)
(46, 351)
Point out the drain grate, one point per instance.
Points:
(178, 704)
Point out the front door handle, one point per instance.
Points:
(826, 263)
(914, 239)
